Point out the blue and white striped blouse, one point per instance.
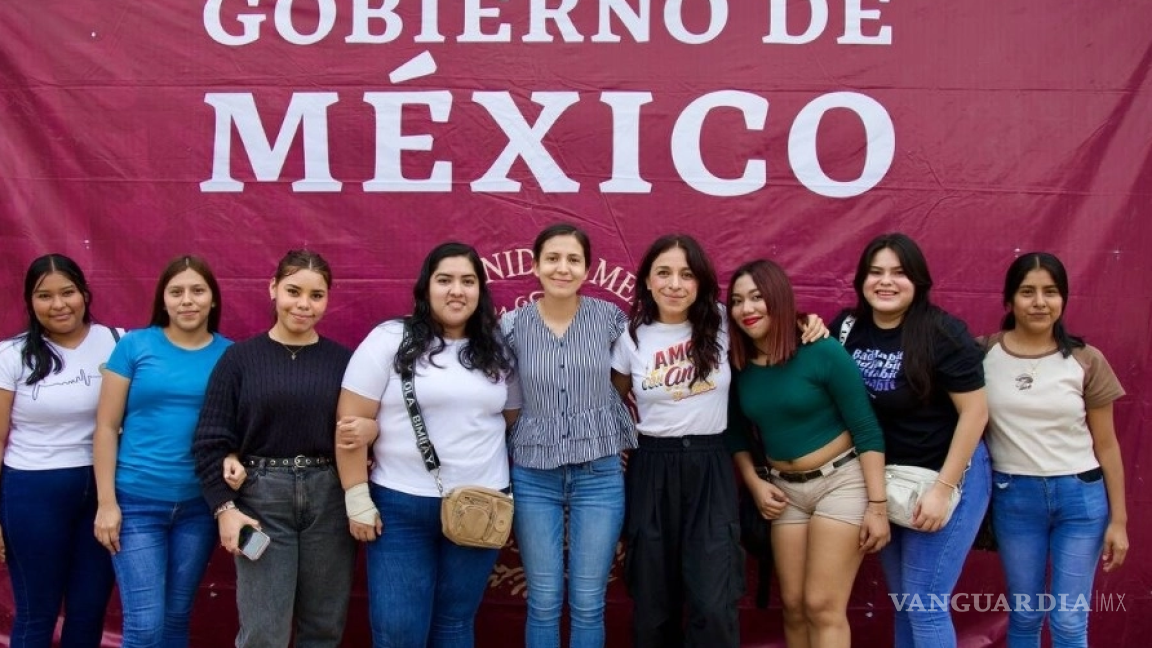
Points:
(571, 412)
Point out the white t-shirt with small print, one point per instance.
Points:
(53, 420)
(1037, 409)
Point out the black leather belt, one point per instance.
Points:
(822, 471)
(299, 461)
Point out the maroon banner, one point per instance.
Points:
(370, 130)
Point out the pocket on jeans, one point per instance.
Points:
(1094, 498)
(1090, 476)
(609, 465)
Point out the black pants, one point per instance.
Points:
(683, 539)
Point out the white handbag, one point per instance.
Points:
(905, 485)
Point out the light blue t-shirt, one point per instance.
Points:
(164, 399)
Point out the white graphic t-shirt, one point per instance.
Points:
(670, 405)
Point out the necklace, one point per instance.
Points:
(1024, 380)
(292, 349)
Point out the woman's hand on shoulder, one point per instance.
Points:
(812, 329)
(1115, 546)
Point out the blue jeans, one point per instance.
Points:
(924, 567)
(592, 493)
(47, 517)
(1041, 519)
(423, 589)
(164, 549)
(302, 582)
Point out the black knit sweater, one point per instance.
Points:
(262, 402)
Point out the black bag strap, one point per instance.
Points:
(755, 439)
(846, 328)
(762, 554)
(408, 389)
(756, 445)
(115, 334)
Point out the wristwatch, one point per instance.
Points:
(226, 506)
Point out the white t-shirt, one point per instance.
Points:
(661, 371)
(53, 420)
(1037, 409)
(462, 409)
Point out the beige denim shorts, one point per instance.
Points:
(841, 495)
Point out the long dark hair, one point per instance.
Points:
(780, 300)
(176, 266)
(38, 355)
(922, 321)
(484, 352)
(1015, 276)
(703, 314)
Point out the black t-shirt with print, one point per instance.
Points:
(916, 432)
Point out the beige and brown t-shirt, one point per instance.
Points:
(1037, 407)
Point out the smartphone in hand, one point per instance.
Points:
(253, 542)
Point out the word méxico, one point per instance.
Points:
(963, 602)
(307, 112)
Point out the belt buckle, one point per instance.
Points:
(300, 461)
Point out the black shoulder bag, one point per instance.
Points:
(755, 530)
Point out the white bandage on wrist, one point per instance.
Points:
(358, 504)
